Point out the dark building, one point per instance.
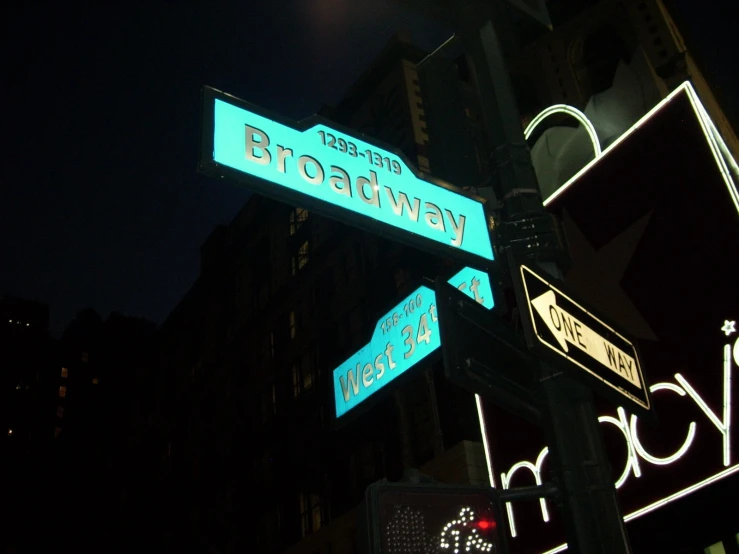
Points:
(24, 365)
(386, 102)
(244, 431)
(103, 384)
(26, 396)
(247, 357)
(73, 458)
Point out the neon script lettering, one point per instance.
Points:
(637, 453)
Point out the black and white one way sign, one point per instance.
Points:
(563, 326)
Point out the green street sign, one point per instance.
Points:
(315, 164)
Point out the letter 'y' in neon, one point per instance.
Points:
(725, 425)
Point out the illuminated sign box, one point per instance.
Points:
(340, 175)
(653, 228)
(403, 337)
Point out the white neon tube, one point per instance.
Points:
(571, 111)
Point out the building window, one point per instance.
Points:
(305, 373)
(268, 403)
(325, 286)
(308, 372)
(311, 517)
(95, 381)
(57, 431)
(402, 277)
(65, 372)
(299, 259)
(85, 357)
(315, 361)
(258, 416)
(60, 412)
(296, 381)
(62, 391)
(292, 325)
(351, 266)
(297, 217)
(263, 466)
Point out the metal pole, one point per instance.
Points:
(547, 490)
(582, 472)
(514, 179)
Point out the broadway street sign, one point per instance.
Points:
(564, 327)
(334, 172)
(403, 337)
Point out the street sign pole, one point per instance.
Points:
(526, 232)
(583, 473)
(581, 469)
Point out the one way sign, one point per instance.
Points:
(562, 326)
(566, 328)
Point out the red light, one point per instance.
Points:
(484, 524)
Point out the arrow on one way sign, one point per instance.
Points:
(568, 329)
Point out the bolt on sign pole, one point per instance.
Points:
(526, 233)
(581, 469)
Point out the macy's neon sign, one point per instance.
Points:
(637, 453)
(628, 425)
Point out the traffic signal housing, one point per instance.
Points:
(430, 518)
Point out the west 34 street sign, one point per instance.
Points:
(599, 353)
(342, 176)
(403, 337)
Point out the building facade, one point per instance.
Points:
(24, 367)
(251, 418)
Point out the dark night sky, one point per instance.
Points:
(100, 202)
